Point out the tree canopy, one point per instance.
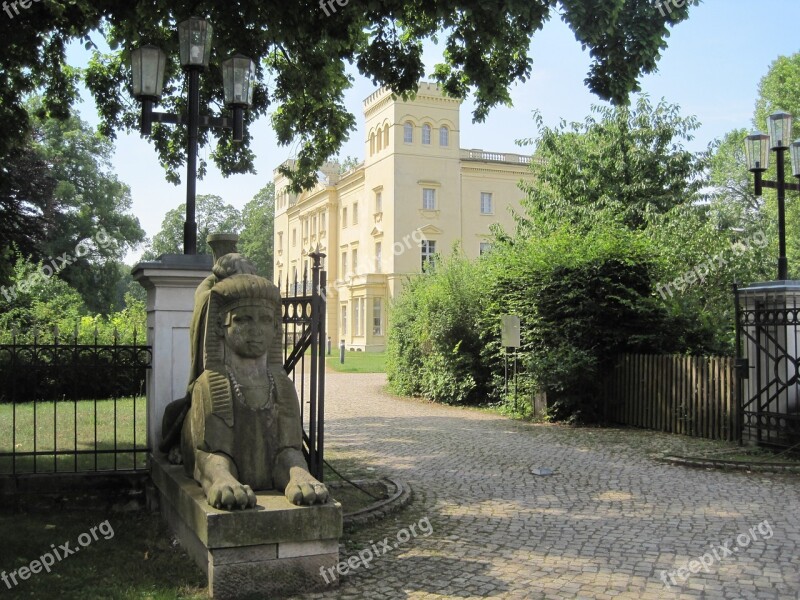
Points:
(303, 50)
(213, 216)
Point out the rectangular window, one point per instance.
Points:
(322, 222)
(294, 236)
(305, 228)
(344, 265)
(314, 225)
(280, 239)
(428, 249)
(378, 202)
(485, 247)
(355, 261)
(486, 203)
(355, 213)
(357, 317)
(343, 324)
(377, 316)
(378, 258)
(428, 199)
(344, 217)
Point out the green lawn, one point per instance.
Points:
(71, 419)
(358, 362)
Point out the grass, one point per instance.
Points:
(66, 426)
(359, 362)
(138, 562)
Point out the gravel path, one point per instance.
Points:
(609, 523)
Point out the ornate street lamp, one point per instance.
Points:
(148, 65)
(757, 147)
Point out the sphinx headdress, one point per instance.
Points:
(233, 291)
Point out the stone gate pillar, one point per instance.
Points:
(170, 282)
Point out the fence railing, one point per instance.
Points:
(303, 306)
(689, 395)
(70, 407)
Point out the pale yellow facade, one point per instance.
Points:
(416, 193)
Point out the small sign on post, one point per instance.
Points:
(510, 333)
(510, 339)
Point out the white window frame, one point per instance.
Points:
(428, 198)
(408, 132)
(426, 134)
(487, 203)
(444, 136)
(427, 252)
(378, 257)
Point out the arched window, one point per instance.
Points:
(426, 134)
(444, 136)
(378, 141)
(386, 136)
(408, 132)
(371, 144)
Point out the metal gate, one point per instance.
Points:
(304, 338)
(768, 356)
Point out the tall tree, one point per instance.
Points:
(90, 206)
(258, 220)
(304, 48)
(213, 216)
(26, 192)
(625, 163)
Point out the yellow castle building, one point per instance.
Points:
(416, 194)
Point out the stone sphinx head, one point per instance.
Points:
(244, 317)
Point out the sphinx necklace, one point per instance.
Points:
(237, 389)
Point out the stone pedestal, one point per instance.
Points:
(170, 282)
(275, 549)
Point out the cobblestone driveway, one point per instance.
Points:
(605, 525)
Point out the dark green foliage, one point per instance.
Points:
(303, 51)
(582, 299)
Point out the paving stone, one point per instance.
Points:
(607, 524)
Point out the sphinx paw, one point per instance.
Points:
(306, 492)
(231, 495)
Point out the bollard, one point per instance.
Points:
(329, 345)
(341, 351)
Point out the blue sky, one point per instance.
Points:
(711, 68)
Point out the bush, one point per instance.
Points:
(434, 347)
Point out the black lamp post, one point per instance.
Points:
(757, 147)
(238, 74)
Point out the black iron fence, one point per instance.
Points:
(304, 342)
(70, 407)
(768, 362)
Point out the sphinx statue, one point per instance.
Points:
(239, 428)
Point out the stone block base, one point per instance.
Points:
(272, 550)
